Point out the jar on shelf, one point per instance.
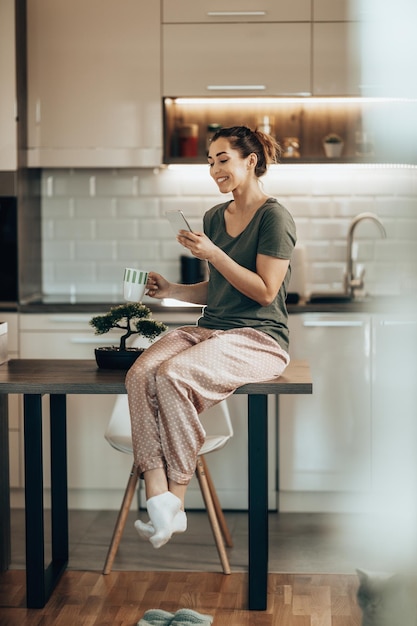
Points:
(188, 140)
(211, 131)
(265, 124)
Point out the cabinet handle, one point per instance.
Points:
(236, 87)
(399, 323)
(89, 340)
(38, 111)
(334, 323)
(235, 13)
(66, 319)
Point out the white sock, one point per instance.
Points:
(162, 510)
(146, 529)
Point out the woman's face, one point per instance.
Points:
(227, 168)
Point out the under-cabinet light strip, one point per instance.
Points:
(304, 97)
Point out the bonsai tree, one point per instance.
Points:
(134, 318)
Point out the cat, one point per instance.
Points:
(387, 599)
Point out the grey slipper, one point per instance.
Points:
(156, 617)
(185, 617)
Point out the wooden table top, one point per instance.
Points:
(80, 376)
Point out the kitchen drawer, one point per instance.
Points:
(182, 11)
(12, 321)
(70, 336)
(194, 66)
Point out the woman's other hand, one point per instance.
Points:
(157, 286)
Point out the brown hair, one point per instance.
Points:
(248, 141)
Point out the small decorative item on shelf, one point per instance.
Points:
(136, 319)
(333, 145)
(188, 140)
(211, 131)
(291, 148)
(265, 124)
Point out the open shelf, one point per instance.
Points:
(307, 119)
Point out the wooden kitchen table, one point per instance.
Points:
(58, 378)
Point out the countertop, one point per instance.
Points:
(102, 302)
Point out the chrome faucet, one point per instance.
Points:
(351, 281)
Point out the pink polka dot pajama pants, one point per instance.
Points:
(185, 372)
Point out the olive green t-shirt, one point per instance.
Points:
(271, 232)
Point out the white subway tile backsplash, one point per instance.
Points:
(58, 251)
(94, 250)
(191, 207)
(94, 207)
(54, 207)
(138, 207)
(92, 230)
(396, 206)
(67, 229)
(117, 229)
(139, 252)
(328, 229)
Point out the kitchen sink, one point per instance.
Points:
(328, 298)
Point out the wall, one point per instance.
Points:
(96, 222)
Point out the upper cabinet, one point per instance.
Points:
(216, 48)
(336, 67)
(273, 48)
(336, 10)
(8, 98)
(94, 83)
(236, 59)
(336, 63)
(187, 11)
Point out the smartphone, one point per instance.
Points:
(178, 221)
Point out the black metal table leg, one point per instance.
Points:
(40, 582)
(59, 485)
(35, 542)
(5, 531)
(258, 500)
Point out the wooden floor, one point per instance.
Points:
(121, 598)
(312, 560)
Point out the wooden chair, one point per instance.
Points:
(219, 429)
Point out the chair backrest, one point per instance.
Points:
(216, 422)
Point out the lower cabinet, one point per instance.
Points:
(351, 440)
(394, 402)
(15, 466)
(97, 474)
(325, 438)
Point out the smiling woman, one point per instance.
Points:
(247, 243)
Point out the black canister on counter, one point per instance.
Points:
(192, 270)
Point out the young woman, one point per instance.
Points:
(241, 337)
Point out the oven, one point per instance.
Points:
(8, 250)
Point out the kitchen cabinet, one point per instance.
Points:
(336, 66)
(15, 408)
(336, 10)
(94, 83)
(8, 99)
(97, 474)
(394, 401)
(325, 439)
(188, 11)
(236, 59)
